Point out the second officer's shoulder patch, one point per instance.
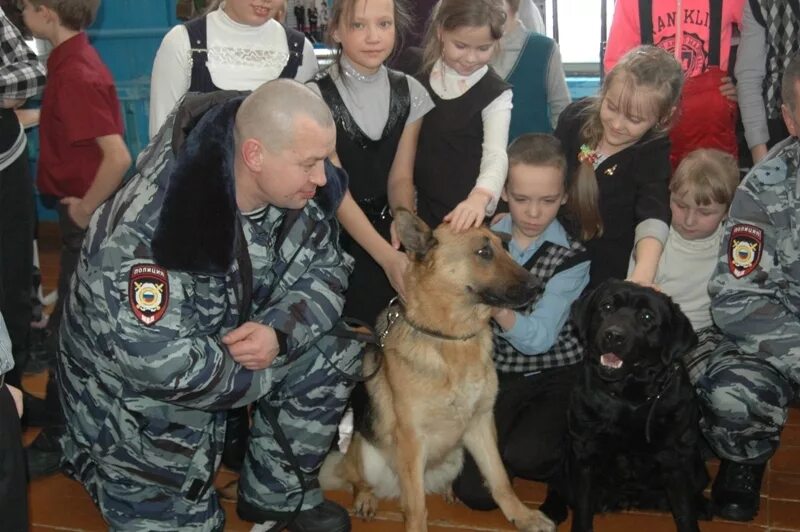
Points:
(148, 292)
(744, 249)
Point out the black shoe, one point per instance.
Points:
(736, 492)
(44, 453)
(36, 412)
(327, 517)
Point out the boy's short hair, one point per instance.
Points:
(537, 149)
(76, 15)
(710, 176)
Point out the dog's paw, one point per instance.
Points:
(365, 505)
(450, 497)
(535, 521)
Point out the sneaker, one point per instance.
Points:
(736, 492)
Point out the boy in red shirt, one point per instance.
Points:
(83, 155)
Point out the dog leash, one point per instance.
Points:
(655, 398)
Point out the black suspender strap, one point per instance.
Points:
(757, 14)
(646, 21)
(714, 30)
(795, 5)
(296, 42)
(198, 45)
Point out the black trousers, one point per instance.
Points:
(13, 478)
(16, 259)
(531, 418)
(71, 241)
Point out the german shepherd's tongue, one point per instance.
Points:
(611, 360)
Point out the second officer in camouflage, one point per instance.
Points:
(755, 302)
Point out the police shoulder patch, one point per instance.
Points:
(148, 292)
(744, 249)
(771, 172)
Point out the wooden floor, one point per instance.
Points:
(58, 503)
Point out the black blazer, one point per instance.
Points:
(633, 187)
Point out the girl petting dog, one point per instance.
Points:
(618, 159)
(461, 158)
(378, 113)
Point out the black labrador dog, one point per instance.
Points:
(633, 418)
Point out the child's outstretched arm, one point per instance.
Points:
(482, 200)
(646, 254)
(400, 184)
(359, 227)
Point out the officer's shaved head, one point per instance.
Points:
(269, 113)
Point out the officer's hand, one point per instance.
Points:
(253, 345)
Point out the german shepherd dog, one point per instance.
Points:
(435, 388)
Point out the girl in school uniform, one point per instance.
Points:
(378, 113)
(618, 159)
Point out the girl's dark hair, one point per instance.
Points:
(645, 67)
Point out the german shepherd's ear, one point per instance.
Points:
(414, 234)
(683, 337)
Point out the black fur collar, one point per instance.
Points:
(197, 224)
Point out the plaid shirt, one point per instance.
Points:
(21, 73)
(567, 349)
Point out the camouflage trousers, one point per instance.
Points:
(308, 401)
(131, 506)
(744, 401)
(309, 396)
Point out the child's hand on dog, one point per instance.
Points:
(253, 345)
(470, 212)
(395, 266)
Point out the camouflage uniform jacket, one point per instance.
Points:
(145, 376)
(755, 290)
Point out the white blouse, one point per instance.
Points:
(240, 57)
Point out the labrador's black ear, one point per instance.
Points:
(583, 308)
(681, 336)
(414, 234)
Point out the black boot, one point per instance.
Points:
(44, 453)
(327, 517)
(42, 412)
(736, 491)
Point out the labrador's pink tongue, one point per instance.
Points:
(611, 360)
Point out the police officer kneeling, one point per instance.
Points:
(222, 248)
(755, 301)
